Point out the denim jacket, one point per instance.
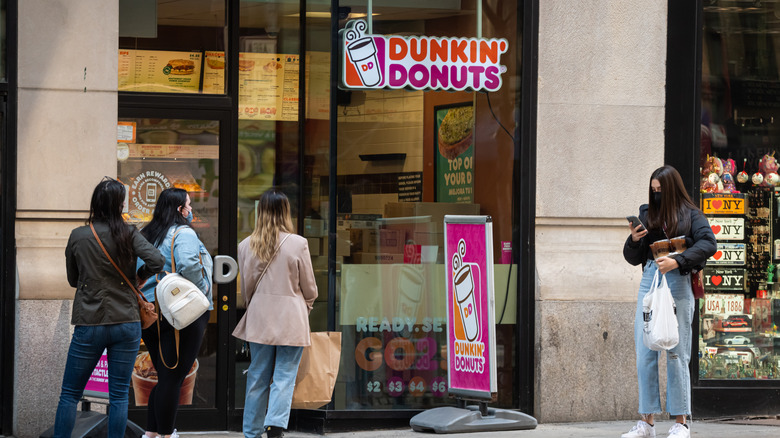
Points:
(193, 262)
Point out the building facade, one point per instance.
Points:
(226, 98)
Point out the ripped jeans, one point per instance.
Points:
(678, 377)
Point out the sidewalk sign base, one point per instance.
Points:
(450, 419)
(94, 424)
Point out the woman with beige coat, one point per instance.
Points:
(277, 283)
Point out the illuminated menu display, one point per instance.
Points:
(159, 71)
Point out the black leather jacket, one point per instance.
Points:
(699, 239)
(102, 297)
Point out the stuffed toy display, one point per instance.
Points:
(768, 169)
(711, 173)
(727, 178)
(719, 175)
(743, 176)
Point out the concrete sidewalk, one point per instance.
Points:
(605, 429)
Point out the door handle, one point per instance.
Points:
(220, 262)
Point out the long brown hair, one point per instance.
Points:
(106, 206)
(675, 206)
(273, 216)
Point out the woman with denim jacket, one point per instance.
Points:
(172, 215)
(105, 307)
(670, 213)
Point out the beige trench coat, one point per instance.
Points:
(278, 309)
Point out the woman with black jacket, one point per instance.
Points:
(105, 308)
(670, 213)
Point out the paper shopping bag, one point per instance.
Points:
(318, 371)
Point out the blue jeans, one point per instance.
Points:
(678, 378)
(270, 382)
(86, 347)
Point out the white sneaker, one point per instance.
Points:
(174, 434)
(679, 431)
(641, 430)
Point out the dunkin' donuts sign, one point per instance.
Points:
(420, 62)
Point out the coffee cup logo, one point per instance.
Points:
(463, 282)
(362, 52)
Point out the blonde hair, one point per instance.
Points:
(273, 216)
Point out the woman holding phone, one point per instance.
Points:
(670, 212)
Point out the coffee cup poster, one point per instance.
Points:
(468, 310)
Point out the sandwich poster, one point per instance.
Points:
(159, 71)
(454, 141)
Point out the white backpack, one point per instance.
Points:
(179, 301)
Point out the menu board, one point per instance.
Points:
(174, 151)
(268, 86)
(159, 71)
(317, 85)
(214, 73)
(268, 82)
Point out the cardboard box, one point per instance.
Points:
(370, 240)
(315, 246)
(436, 210)
(314, 228)
(383, 241)
(321, 278)
(355, 240)
(391, 241)
(319, 263)
(426, 238)
(373, 258)
(343, 243)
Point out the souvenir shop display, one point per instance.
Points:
(740, 312)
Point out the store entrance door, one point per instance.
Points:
(185, 149)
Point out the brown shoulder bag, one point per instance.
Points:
(145, 308)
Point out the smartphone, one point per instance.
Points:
(635, 221)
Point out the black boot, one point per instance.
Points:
(274, 432)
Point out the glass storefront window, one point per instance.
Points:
(269, 137)
(153, 155)
(740, 145)
(405, 159)
(172, 46)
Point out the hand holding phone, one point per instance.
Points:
(638, 229)
(635, 222)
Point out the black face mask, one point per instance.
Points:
(656, 199)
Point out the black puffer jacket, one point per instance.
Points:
(699, 239)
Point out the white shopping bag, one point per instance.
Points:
(660, 317)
